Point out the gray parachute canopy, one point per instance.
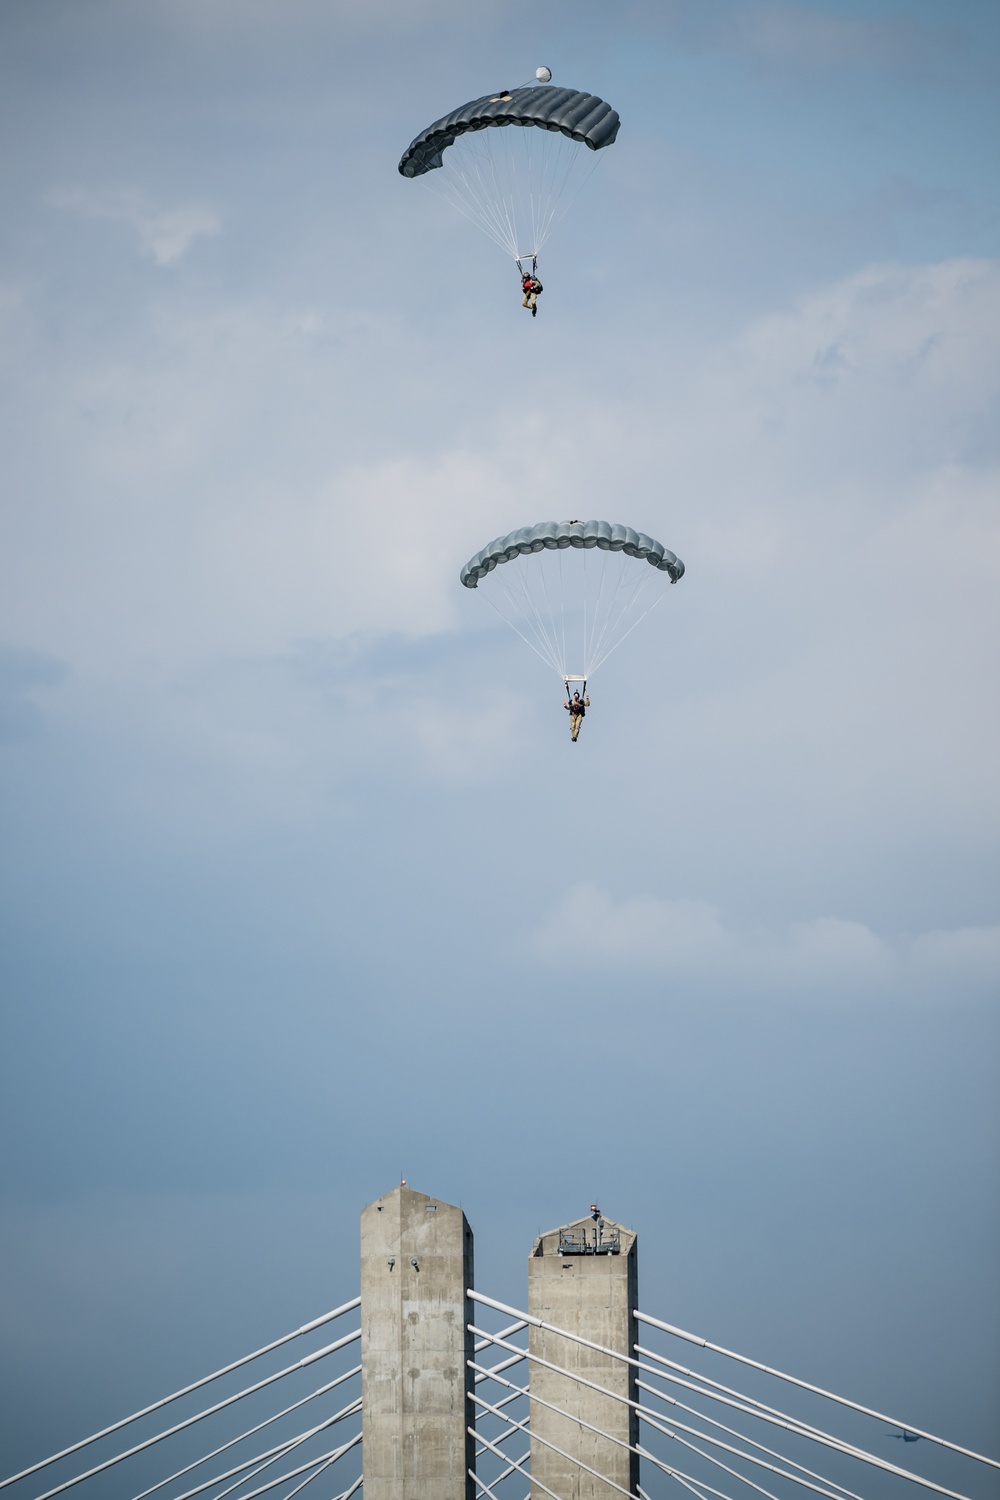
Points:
(581, 117)
(575, 591)
(557, 535)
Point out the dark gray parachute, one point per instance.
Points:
(582, 117)
(553, 535)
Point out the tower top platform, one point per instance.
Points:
(593, 1235)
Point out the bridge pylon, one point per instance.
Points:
(583, 1278)
(416, 1274)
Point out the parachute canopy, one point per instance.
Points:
(573, 608)
(514, 183)
(582, 117)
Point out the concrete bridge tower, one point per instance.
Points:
(583, 1278)
(416, 1272)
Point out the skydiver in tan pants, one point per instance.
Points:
(577, 709)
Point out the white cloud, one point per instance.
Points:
(164, 234)
(687, 942)
(215, 491)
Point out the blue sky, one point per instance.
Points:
(303, 890)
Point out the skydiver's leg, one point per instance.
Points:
(574, 725)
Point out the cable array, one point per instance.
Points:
(574, 624)
(210, 1451)
(713, 1440)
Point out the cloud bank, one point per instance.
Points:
(684, 943)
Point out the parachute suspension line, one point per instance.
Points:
(633, 584)
(547, 657)
(566, 159)
(474, 212)
(552, 614)
(544, 650)
(595, 615)
(505, 196)
(609, 616)
(562, 609)
(495, 204)
(612, 632)
(517, 587)
(648, 610)
(585, 601)
(548, 619)
(491, 207)
(514, 182)
(468, 180)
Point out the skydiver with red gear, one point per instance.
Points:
(531, 287)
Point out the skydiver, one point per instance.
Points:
(531, 287)
(577, 710)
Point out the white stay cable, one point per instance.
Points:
(607, 1436)
(309, 1479)
(535, 1483)
(642, 1411)
(504, 1364)
(817, 1390)
(512, 1464)
(751, 1407)
(246, 1471)
(503, 1436)
(653, 1421)
(344, 1494)
(493, 1371)
(698, 1487)
(199, 1416)
(250, 1432)
(733, 1432)
(694, 1485)
(576, 1338)
(294, 1473)
(481, 1484)
(351, 1490)
(569, 1457)
(498, 1437)
(185, 1391)
(505, 1333)
(269, 1456)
